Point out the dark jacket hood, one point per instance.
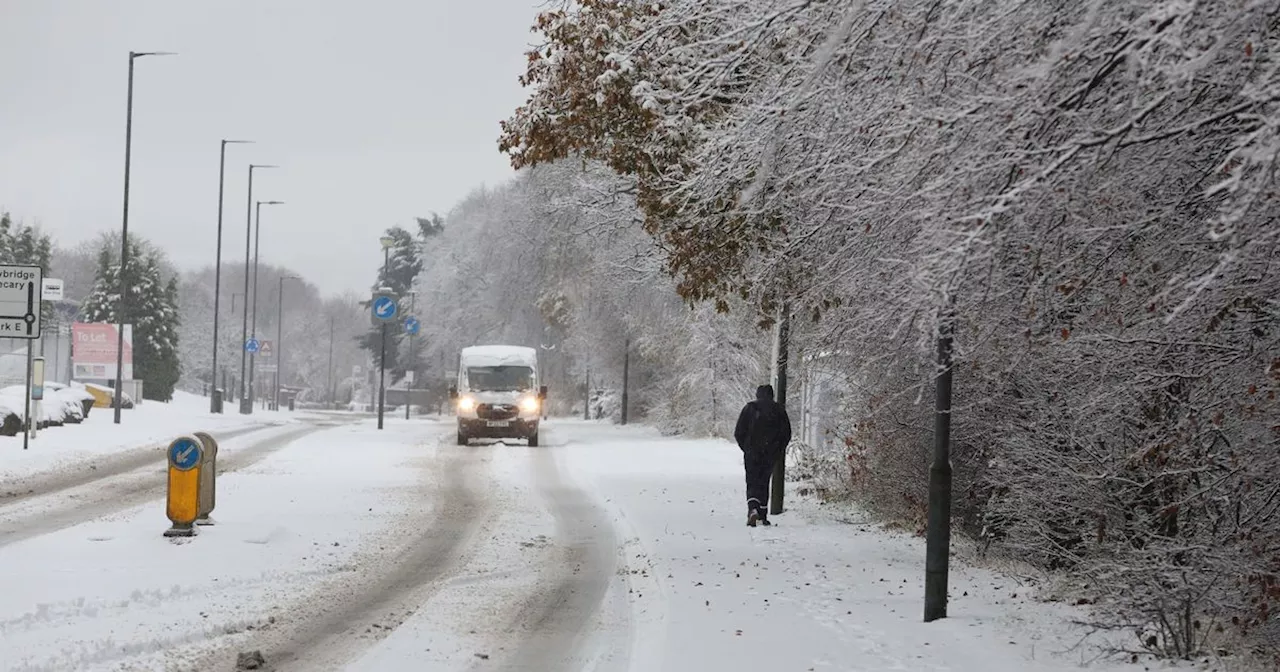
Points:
(764, 393)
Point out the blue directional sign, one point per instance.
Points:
(384, 308)
(251, 346)
(184, 454)
(411, 325)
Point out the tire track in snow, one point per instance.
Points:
(553, 627)
(95, 469)
(331, 628)
(129, 489)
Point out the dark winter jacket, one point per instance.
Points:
(763, 426)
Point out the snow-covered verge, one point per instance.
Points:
(820, 590)
(149, 424)
(114, 594)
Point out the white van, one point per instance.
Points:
(497, 395)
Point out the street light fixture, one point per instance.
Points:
(246, 401)
(387, 242)
(280, 336)
(253, 323)
(124, 232)
(215, 399)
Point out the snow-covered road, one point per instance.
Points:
(609, 549)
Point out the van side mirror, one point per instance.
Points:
(542, 393)
(453, 392)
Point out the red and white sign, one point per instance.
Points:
(93, 351)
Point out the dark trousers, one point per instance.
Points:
(759, 468)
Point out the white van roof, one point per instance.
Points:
(500, 355)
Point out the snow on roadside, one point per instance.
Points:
(151, 423)
(810, 593)
(114, 594)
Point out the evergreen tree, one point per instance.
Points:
(152, 310)
(402, 267)
(23, 244)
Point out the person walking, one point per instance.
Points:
(763, 432)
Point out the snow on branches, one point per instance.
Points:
(1090, 184)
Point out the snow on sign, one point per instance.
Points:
(20, 301)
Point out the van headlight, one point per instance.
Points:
(529, 405)
(466, 404)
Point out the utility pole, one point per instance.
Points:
(626, 379)
(938, 535)
(778, 482)
(586, 398)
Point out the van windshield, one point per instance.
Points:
(499, 378)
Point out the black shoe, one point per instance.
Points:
(765, 522)
(751, 518)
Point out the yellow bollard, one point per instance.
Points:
(183, 502)
(208, 477)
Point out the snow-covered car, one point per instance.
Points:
(77, 394)
(59, 406)
(10, 419)
(497, 394)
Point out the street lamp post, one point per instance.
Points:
(413, 360)
(215, 399)
(253, 323)
(124, 232)
(330, 361)
(280, 335)
(246, 403)
(387, 242)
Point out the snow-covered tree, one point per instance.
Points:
(403, 264)
(152, 309)
(1084, 188)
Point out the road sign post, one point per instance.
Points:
(37, 393)
(208, 478)
(183, 500)
(411, 327)
(20, 291)
(384, 310)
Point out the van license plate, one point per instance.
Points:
(499, 423)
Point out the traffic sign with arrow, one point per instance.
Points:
(385, 308)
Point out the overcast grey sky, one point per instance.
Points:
(376, 110)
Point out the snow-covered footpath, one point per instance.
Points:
(150, 424)
(339, 546)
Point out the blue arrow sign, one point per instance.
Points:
(184, 454)
(411, 325)
(251, 345)
(384, 308)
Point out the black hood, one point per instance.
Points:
(764, 393)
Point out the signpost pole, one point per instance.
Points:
(20, 304)
(26, 429)
(382, 376)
